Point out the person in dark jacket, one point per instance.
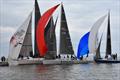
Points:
(3, 59)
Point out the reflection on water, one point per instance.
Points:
(61, 72)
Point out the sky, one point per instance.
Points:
(80, 14)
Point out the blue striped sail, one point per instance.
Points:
(83, 46)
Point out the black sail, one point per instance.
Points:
(108, 43)
(50, 39)
(37, 17)
(65, 40)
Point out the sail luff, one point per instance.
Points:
(65, 40)
(37, 17)
(108, 42)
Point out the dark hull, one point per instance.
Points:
(107, 61)
(4, 64)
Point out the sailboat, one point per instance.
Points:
(20, 42)
(97, 57)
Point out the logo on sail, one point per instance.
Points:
(17, 38)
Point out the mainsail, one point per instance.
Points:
(93, 34)
(20, 43)
(50, 39)
(65, 40)
(108, 43)
(42, 47)
(37, 17)
(83, 46)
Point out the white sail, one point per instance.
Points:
(93, 34)
(17, 40)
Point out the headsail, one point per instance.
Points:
(108, 43)
(65, 40)
(20, 42)
(83, 46)
(98, 56)
(93, 34)
(42, 47)
(37, 17)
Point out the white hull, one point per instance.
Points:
(62, 62)
(47, 62)
(26, 62)
(57, 61)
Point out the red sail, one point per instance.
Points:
(42, 47)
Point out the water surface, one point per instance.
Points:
(61, 72)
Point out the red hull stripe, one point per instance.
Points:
(42, 47)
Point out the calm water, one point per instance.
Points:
(62, 72)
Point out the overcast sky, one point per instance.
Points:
(80, 14)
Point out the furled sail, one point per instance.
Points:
(50, 39)
(37, 17)
(108, 43)
(42, 47)
(93, 34)
(65, 40)
(20, 43)
(83, 46)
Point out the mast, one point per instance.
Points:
(108, 43)
(65, 40)
(50, 39)
(37, 17)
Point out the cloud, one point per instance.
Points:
(5, 33)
